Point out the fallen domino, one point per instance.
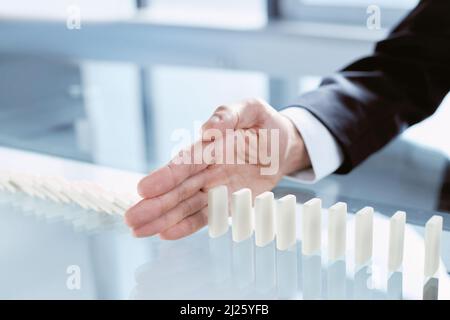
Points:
(92, 207)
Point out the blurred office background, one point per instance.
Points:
(114, 91)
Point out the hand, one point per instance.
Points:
(176, 195)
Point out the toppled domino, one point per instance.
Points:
(5, 182)
(57, 190)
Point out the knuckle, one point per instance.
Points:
(257, 102)
(172, 179)
(164, 220)
(186, 209)
(222, 108)
(190, 225)
(160, 205)
(181, 193)
(203, 218)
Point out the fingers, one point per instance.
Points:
(150, 209)
(173, 217)
(185, 165)
(237, 116)
(186, 226)
(189, 162)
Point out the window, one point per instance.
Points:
(343, 11)
(58, 10)
(216, 13)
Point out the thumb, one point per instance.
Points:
(242, 115)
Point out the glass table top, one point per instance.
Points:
(39, 254)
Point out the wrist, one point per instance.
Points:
(296, 155)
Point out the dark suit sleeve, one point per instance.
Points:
(372, 100)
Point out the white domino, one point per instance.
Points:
(396, 240)
(241, 213)
(311, 226)
(264, 219)
(433, 232)
(363, 236)
(100, 208)
(286, 222)
(52, 185)
(337, 231)
(217, 211)
(5, 184)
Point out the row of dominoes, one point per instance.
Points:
(98, 207)
(276, 219)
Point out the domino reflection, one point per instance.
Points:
(431, 289)
(336, 280)
(218, 268)
(286, 262)
(395, 286)
(265, 274)
(199, 267)
(82, 220)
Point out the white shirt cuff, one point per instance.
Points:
(324, 152)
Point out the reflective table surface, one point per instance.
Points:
(38, 255)
(114, 265)
(204, 268)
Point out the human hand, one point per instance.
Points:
(176, 195)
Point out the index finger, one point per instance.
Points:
(187, 163)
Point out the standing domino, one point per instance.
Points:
(311, 226)
(264, 219)
(363, 236)
(242, 222)
(337, 226)
(217, 211)
(286, 222)
(433, 231)
(396, 240)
